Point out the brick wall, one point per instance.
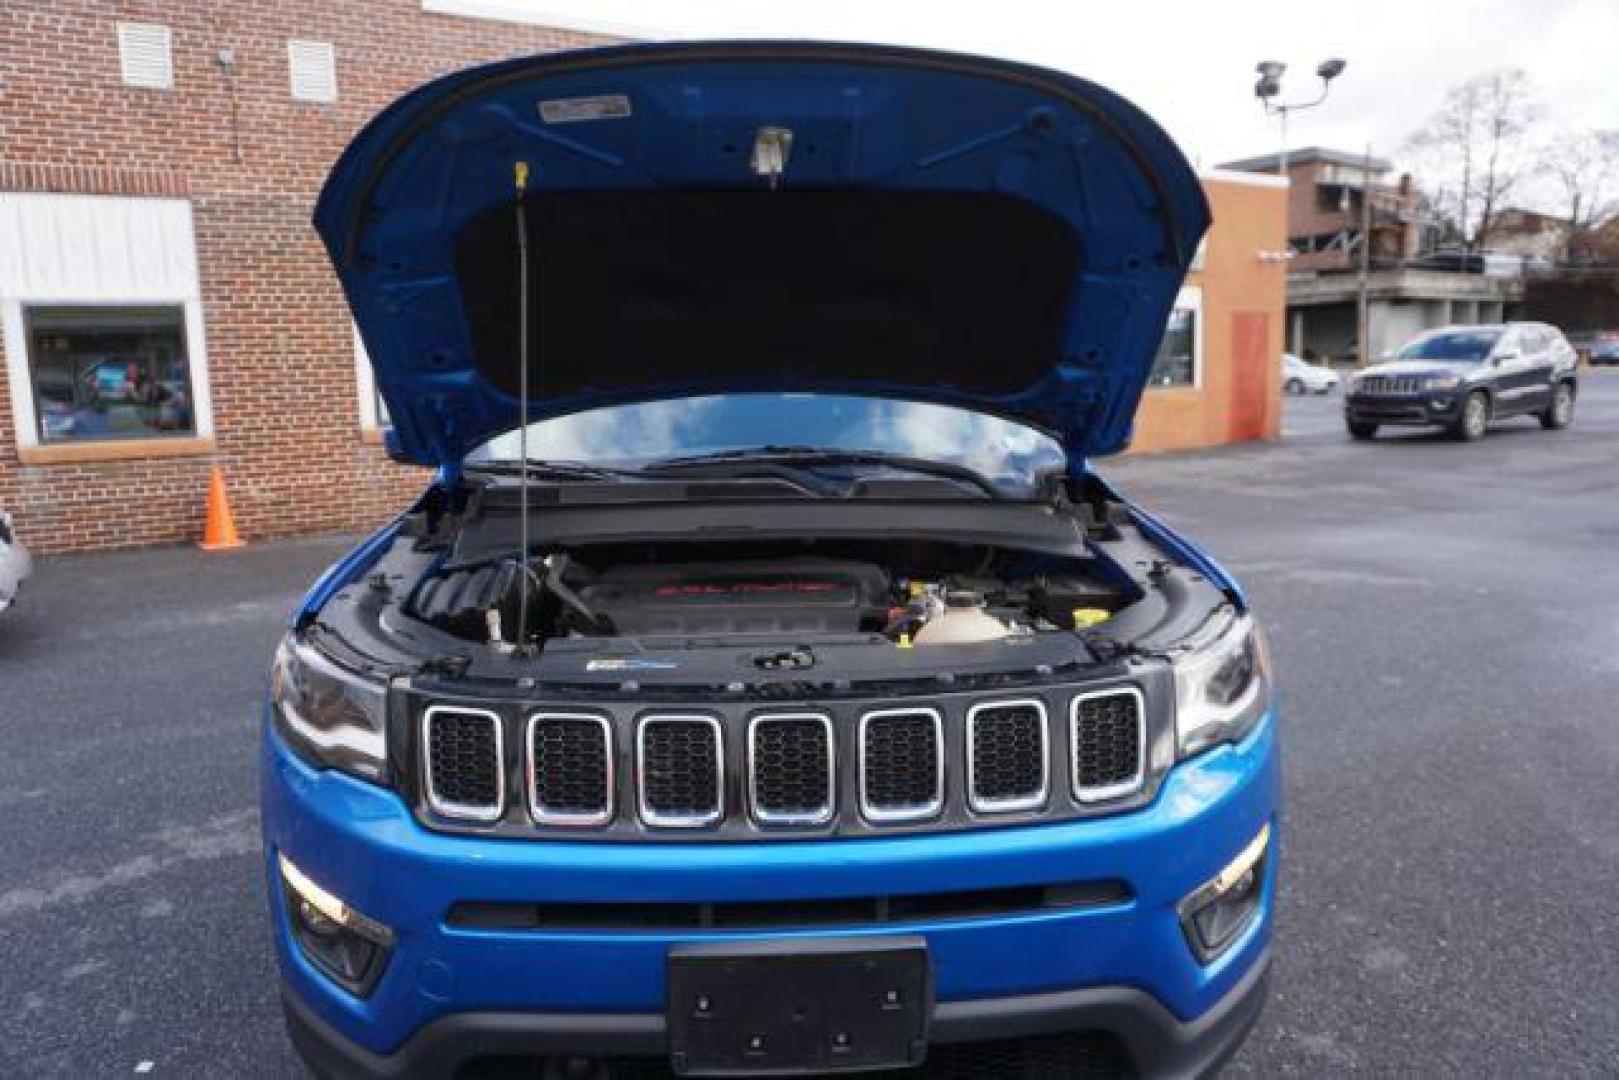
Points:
(280, 347)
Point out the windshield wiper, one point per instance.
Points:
(568, 471)
(808, 457)
(551, 470)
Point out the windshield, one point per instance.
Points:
(1009, 455)
(1470, 346)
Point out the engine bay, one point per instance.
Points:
(749, 598)
(912, 594)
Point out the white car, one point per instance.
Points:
(1301, 376)
(14, 562)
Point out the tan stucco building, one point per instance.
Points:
(1217, 378)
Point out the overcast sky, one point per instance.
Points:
(1190, 64)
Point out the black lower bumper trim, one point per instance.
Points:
(1159, 1044)
(1413, 412)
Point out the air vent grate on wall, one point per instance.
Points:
(312, 68)
(146, 55)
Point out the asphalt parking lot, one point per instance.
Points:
(1445, 619)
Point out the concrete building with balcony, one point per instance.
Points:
(1330, 223)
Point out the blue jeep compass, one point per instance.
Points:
(765, 683)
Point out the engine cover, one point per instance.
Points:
(778, 596)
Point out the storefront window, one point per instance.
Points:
(1176, 362)
(109, 373)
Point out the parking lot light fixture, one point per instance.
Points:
(1269, 88)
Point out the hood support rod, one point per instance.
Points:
(520, 177)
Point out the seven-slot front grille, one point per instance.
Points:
(681, 763)
(464, 763)
(790, 768)
(1108, 735)
(949, 762)
(1390, 384)
(901, 764)
(1007, 759)
(570, 778)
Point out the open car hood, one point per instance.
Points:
(943, 228)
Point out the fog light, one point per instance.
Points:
(346, 944)
(1216, 912)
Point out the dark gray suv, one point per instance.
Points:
(1463, 377)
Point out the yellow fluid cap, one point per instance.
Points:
(917, 588)
(905, 641)
(1090, 616)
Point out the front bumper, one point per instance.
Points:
(449, 993)
(1429, 408)
(1157, 1042)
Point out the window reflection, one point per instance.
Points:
(1010, 454)
(109, 373)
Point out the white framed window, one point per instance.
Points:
(312, 70)
(1179, 362)
(146, 55)
(373, 410)
(101, 312)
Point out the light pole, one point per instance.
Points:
(1266, 90)
(1270, 85)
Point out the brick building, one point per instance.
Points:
(1327, 221)
(165, 305)
(1325, 207)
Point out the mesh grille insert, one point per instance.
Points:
(790, 758)
(1007, 755)
(681, 774)
(571, 763)
(465, 777)
(1108, 744)
(1070, 1055)
(901, 774)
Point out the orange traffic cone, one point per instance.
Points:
(220, 532)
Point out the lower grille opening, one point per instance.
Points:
(786, 914)
(1069, 1055)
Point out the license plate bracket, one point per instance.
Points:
(752, 1008)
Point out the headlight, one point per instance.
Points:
(1443, 382)
(332, 716)
(1222, 686)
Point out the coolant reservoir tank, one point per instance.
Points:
(964, 619)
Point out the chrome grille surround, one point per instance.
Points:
(1103, 792)
(1391, 384)
(819, 816)
(684, 819)
(918, 777)
(899, 813)
(1002, 805)
(451, 808)
(577, 818)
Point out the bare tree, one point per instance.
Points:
(1476, 148)
(1582, 168)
